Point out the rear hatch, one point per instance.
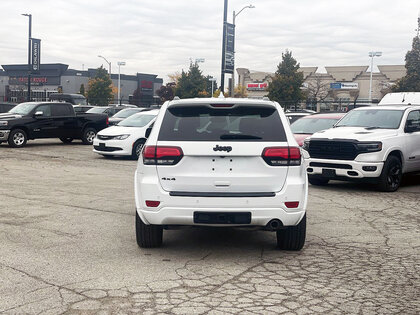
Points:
(219, 150)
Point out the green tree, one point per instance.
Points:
(82, 89)
(192, 83)
(285, 86)
(411, 81)
(100, 88)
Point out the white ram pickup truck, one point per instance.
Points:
(377, 144)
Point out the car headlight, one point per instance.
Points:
(121, 137)
(3, 122)
(367, 147)
(306, 144)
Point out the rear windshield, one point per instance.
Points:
(312, 125)
(202, 123)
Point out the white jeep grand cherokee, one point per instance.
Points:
(221, 162)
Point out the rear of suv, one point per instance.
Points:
(221, 162)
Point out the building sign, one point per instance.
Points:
(229, 65)
(256, 86)
(344, 86)
(35, 80)
(36, 55)
(146, 86)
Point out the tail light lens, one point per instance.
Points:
(282, 156)
(107, 120)
(162, 155)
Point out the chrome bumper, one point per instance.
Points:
(4, 135)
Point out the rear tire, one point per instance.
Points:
(17, 138)
(66, 140)
(292, 237)
(391, 176)
(148, 236)
(318, 181)
(88, 135)
(137, 147)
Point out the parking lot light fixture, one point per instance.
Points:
(371, 55)
(109, 64)
(28, 97)
(119, 63)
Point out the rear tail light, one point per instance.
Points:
(292, 204)
(152, 203)
(162, 155)
(107, 120)
(282, 156)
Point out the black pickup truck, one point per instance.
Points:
(35, 120)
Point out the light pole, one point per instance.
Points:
(109, 64)
(212, 85)
(232, 93)
(119, 63)
(28, 97)
(371, 55)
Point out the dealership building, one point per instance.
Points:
(339, 85)
(57, 77)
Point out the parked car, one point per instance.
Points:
(81, 108)
(35, 120)
(5, 107)
(107, 110)
(308, 125)
(221, 162)
(293, 116)
(377, 144)
(126, 138)
(75, 99)
(123, 114)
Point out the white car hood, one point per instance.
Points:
(119, 130)
(355, 133)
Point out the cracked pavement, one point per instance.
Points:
(67, 246)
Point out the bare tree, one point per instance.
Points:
(318, 89)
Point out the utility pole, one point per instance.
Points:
(222, 80)
(28, 96)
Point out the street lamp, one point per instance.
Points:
(212, 85)
(119, 63)
(28, 97)
(371, 55)
(109, 64)
(232, 93)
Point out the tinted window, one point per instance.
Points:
(61, 110)
(375, 118)
(45, 109)
(312, 125)
(413, 119)
(202, 123)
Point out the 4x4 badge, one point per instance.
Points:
(220, 148)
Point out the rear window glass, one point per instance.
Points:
(202, 123)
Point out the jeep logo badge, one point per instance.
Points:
(219, 148)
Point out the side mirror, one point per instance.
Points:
(148, 131)
(39, 114)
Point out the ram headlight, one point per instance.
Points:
(121, 137)
(367, 147)
(3, 122)
(306, 144)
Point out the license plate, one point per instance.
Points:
(327, 172)
(222, 217)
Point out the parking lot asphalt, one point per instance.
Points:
(67, 245)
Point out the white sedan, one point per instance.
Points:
(126, 138)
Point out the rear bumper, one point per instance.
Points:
(179, 210)
(344, 169)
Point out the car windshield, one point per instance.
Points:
(23, 108)
(138, 120)
(241, 123)
(125, 113)
(79, 101)
(97, 110)
(312, 125)
(372, 118)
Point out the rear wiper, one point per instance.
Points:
(227, 136)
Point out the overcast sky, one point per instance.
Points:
(161, 36)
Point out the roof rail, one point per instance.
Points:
(176, 98)
(265, 98)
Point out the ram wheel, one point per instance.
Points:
(88, 135)
(292, 237)
(391, 176)
(66, 140)
(17, 138)
(148, 236)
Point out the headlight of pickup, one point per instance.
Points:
(121, 137)
(366, 147)
(3, 122)
(306, 144)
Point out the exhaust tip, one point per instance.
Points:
(274, 225)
